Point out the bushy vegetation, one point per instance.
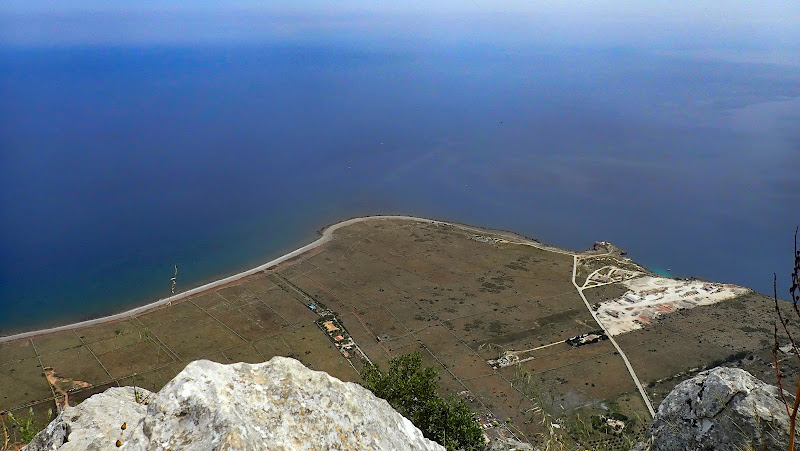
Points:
(26, 429)
(413, 391)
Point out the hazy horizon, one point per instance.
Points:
(735, 26)
(134, 136)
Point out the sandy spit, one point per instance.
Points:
(326, 236)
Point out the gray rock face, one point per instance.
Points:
(508, 444)
(721, 409)
(96, 423)
(277, 405)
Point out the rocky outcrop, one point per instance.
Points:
(97, 423)
(721, 409)
(278, 405)
(508, 444)
(605, 247)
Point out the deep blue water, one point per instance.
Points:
(118, 162)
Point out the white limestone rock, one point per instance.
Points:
(721, 409)
(96, 423)
(277, 405)
(508, 444)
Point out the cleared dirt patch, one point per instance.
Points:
(399, 286)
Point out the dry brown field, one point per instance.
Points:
(400, 286)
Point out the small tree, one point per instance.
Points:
(413, 391)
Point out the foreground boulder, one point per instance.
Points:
(721, 409)
(278, 405)
(96, 423)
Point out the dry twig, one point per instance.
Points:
(794, 293)
(5, 432)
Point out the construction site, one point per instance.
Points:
(528, 335)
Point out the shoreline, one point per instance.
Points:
(326, 235)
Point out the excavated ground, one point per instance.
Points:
(398, 286)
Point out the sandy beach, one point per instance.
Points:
(393, 284)
(326, 235)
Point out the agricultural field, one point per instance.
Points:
(459, 296)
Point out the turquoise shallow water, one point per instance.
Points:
(120, 162)
(666, 272)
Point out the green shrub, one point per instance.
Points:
(413, 391)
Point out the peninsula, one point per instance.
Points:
(530, 335)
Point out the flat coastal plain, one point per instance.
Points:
(460, 296)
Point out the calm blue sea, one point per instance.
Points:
(117, 163)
